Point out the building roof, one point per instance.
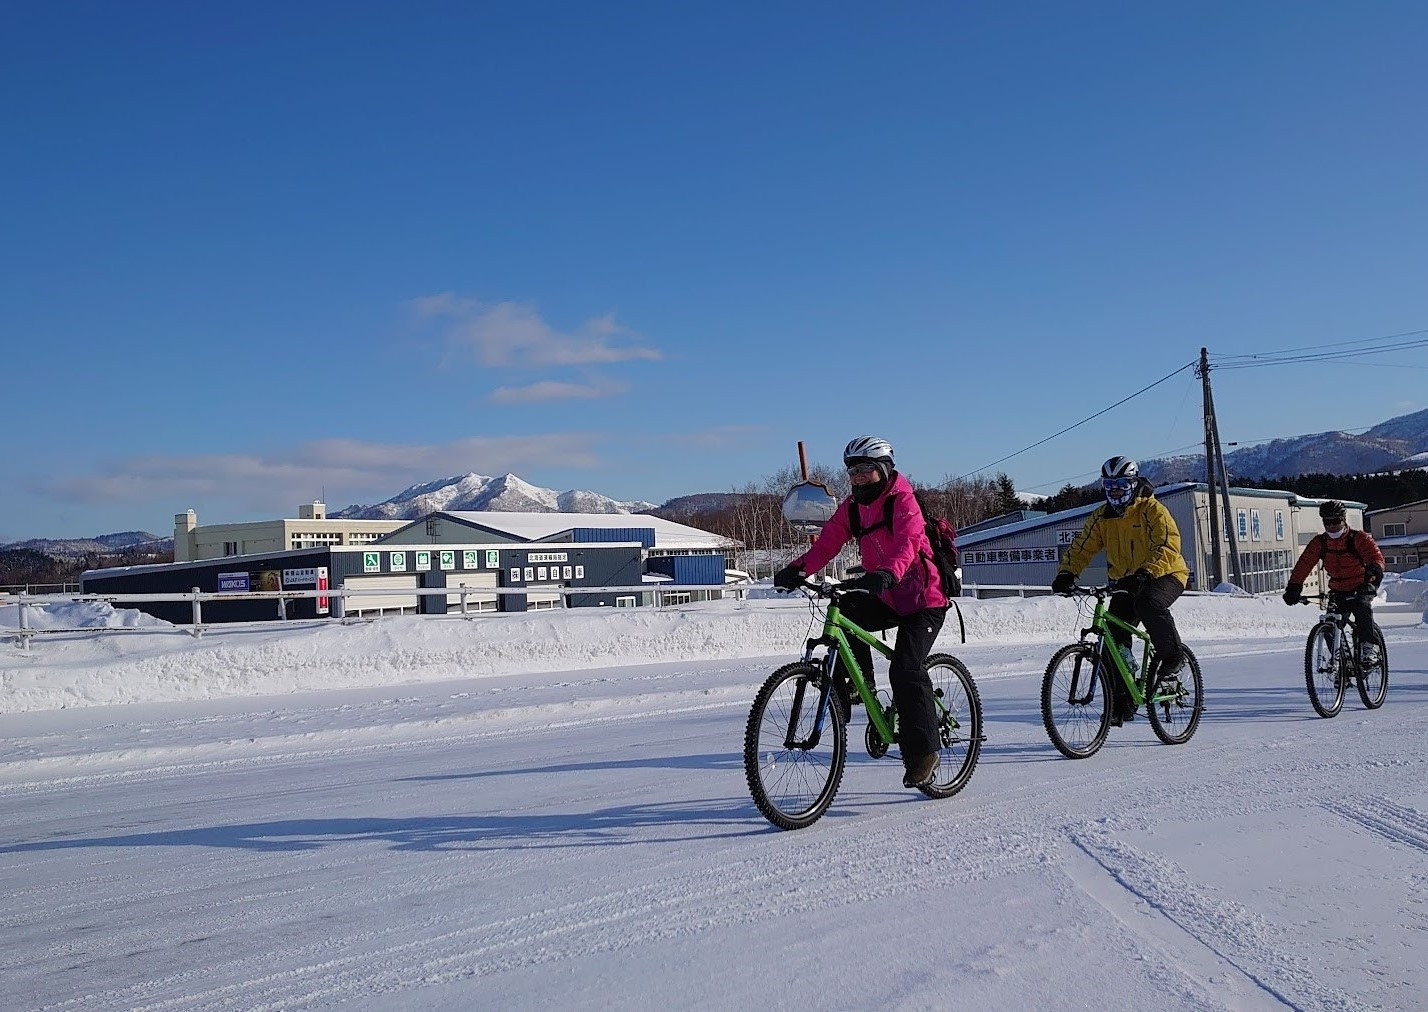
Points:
(1403, 541)
(1163, 492)
(544, 526)
(1400, 506)
(1015, 516)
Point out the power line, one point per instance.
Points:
(1098, 414)
(1316, 353)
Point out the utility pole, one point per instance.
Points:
(1215, 460)
(1218, 562)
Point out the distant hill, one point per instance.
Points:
(700, 502)
(104, 544)
(1397, 444)
(476, 492)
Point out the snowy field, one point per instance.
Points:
(549, 810)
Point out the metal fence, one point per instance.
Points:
(462, 607)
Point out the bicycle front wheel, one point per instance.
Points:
(1373, 681)
(1176, 703)
(1076, 701)
(959, 724)
(1321, 669)
(795, 745)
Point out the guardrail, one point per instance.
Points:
(25, 631)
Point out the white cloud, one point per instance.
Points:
(553, 390)
(350, 470)
(513, 334)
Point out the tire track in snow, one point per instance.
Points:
(1230, 933)
(1407, 826)
(681, 904)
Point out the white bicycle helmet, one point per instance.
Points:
(868, 448)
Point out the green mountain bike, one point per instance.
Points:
(1076, 695)
(796, 740)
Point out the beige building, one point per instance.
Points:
(1402, 535)
(311, 529)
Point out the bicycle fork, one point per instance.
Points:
(1084, 675)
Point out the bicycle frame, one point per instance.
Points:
(838, 631)
(1100, 629)
(1344, 626)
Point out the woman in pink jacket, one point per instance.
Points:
(904, 592)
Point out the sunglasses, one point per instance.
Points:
(862, 468)
(1330, 525)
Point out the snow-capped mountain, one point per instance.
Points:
(477, 492)
(1396, 444)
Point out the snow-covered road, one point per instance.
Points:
(586, 840)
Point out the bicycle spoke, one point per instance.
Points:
(792, 772)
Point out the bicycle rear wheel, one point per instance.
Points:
(959, 725)
(1321, 669)
(1373, 681)
(1176, 703)
(1076, 701)
(794, 770)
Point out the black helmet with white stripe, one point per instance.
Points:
(1120, 467)
(1119, 478)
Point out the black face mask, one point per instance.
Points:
(865, 495)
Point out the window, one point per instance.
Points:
(677, 597)
(230, 548)
(1394, 530)
(315, 540)
(625, 602)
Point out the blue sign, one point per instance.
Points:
(232, 583)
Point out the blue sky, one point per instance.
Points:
(257, 254)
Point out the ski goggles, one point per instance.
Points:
(1116, 484)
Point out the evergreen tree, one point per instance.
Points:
(1007, 499)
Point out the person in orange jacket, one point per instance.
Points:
(1355, 567)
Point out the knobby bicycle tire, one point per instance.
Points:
(793, 786)
(1174, 715)
(961, 745)
(1076, 726)
(1373, 683)
(1323, 669)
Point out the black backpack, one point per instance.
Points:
(940, 535)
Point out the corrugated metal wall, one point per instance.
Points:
(689, 569)
(645, 536)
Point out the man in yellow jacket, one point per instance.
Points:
(1143, 561)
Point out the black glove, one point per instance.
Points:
(1373, 573)
(1134, 583)
(1063, 583)
(875, 582)
(1292, 593)
(1367, 591)
(788, 578)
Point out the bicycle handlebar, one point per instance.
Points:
(1105, 591)
(828, 590)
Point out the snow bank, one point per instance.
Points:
(78, 615)
(168, 664)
